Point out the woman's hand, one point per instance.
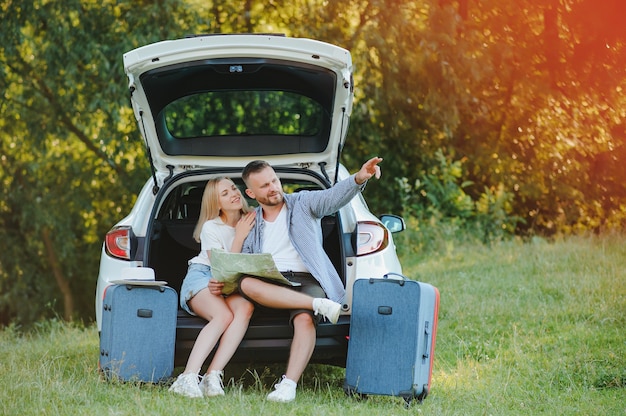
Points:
(215, 287)
(244, 225)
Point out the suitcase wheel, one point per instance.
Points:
(423, 394)
(408, 401)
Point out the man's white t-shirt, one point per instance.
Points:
(276, 241)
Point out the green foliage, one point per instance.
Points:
(70, 155)
(441, 189)
(243, 112)
(508, 89)
(493, 214)
(439, 199)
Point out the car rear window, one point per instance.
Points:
(241, 107)
(243, 113)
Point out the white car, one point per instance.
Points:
(208, 105)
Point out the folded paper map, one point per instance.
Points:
(230, 267)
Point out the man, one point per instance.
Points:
(288, 227)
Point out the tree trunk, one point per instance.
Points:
(64, 286)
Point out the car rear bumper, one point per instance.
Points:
(268, 339)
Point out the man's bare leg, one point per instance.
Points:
(274, 296)
(302, 346)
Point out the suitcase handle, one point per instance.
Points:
(130, 286)
(387, 279)
(386, 276)
(427, 338)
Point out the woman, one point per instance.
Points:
(225, 221)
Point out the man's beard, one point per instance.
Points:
(271, 201)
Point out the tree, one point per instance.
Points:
(69, 149)
(529, 94)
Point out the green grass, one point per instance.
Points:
(524, 329)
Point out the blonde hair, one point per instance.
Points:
(210, 207)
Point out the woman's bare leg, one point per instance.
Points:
(214, 309)
(242, 312)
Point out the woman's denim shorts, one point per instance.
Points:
(197, 278)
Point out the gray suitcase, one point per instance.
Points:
(392, 338)
(138, 332)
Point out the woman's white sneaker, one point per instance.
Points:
(186, 385)
(211, 385)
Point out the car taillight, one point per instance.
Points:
(118, 241)
(371, 237)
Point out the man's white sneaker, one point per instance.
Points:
(327, 308)
(284, 392)
(211, 385)
(186, 385)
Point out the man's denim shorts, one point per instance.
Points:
(197, 278)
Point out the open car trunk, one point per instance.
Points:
(169, 245)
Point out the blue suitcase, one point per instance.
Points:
(392, 338)
(138, 332)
